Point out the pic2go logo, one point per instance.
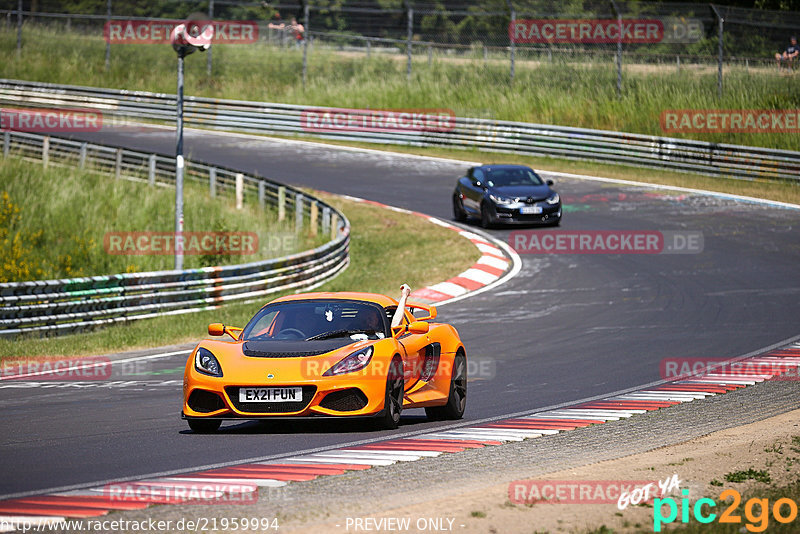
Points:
(756, 511)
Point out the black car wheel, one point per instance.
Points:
(457, 400)
(393, 402)
(486, 220)
(204, 426)
(459, 213)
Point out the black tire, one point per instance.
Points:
(204, 426)
(457, 400)
(459, 213)
(486, 220)
(393, 400)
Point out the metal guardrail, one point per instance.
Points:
(683, 155)
(61, 306)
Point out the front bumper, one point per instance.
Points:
(511, 214)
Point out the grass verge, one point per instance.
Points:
(387, 249)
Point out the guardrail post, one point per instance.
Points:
(281, 203)
(334, 226)
(118, 165)
(262, 194)
(326, 220)
(298, 213)
(312, 223)
(82, 155)
(151, 170)
(6, 143)
(46, 151)
(212, 182)
(239, 191)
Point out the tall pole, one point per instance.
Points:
(619, 47)
(179, 170)
(211, 18)
(108, 44)
(720, 23)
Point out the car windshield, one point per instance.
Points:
(513, 176)
(311, 320)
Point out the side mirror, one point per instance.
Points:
(216, 329)
(549, 182)
(419, 327)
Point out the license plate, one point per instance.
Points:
(531, 210)
(270, 394)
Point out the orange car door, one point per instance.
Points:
(414, 345)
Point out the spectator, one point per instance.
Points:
(790, 55)
(299, 32)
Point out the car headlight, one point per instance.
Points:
(554, 199)
(354, 362)
(207, 363)
(501, 200)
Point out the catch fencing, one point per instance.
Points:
(683, 155)
(692, 34)
(53, 307)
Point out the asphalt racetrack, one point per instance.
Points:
(567, 327)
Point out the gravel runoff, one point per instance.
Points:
(361, 493)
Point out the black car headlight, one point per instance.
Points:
(501, 200)
(207, 363)
(354, 362)
(554, 199)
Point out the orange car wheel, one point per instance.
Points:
(457, 400)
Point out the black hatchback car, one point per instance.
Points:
(506, 194)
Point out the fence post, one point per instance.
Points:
(118, 164)
(326, 220)
(485, 55)
(334, 225)
(409, 38)
(46, 151)
(305, 43)
(369, 47)
(720, 23)
(298, 213)
(6, 143)
(619, 47)
(82, 156)
(678, 60)
(281, 203)
(512, 44)
(208, 52)
(151, 170)
(430, 55)
(262, 193)
(239, 191)
(312, 223)
(108, 44)
(19, 27)
(212, 182)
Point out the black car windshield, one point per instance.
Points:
(316, 320)
(513, 176)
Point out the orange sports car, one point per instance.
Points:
(328, 354)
